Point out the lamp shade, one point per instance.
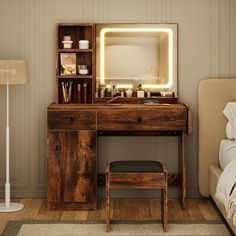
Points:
(13, 72)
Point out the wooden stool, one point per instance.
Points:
(137, 174)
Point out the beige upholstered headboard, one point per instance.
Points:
(213, 94)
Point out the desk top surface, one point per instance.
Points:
(115, 106)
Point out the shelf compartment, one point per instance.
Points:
(74, 92)
(77, 32)
(84, 59)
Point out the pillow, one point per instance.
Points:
(230, 113)
(227, 152)
(229, 134)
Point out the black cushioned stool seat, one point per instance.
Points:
(136, 166)
(137, 174)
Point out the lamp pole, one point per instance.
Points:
(7, 184)
(8, 206)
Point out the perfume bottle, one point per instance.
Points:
(113, 91)
(140, 91)
(102, 88)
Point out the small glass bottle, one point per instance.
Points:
(129, 93)
(102, 88)
(85, 92)
(140, 91)
(79, 93)
(113, 91)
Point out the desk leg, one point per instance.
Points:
(182, 170)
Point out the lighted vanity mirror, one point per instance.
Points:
(136, 56)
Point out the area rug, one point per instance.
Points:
(97, 228)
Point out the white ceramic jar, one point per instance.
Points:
(83, 44)
(129, 93)
(83, 69)
(67, 44)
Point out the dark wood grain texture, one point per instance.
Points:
(166, 118)
(72, 168)
(66, 124)
(182, 169)
(107, 198)
(173, 180)
(72, 120)
(77, 31)
(189, 119)
(138, 180)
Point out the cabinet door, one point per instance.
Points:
(72, 175)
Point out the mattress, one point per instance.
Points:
(227, 152)
(214, 174)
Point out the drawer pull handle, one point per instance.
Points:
(72, 119)
(139, 119)
(57, 147)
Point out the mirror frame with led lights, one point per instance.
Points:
(171, 29)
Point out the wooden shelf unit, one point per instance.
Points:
(77, 31)
(75, 50)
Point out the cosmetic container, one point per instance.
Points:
(83, 44)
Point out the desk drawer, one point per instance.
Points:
(71, 120)
(161, 119)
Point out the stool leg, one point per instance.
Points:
(107, 203)
(164, 207)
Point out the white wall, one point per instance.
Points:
(207, 47)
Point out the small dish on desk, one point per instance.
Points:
(154, 102)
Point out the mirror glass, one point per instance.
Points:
(136, 57)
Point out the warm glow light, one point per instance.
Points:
(102, 52)
(124, 86)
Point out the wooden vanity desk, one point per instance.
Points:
(80, 115)
(72, 145)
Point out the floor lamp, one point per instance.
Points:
(12, 72)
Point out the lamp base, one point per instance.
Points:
(12, 208)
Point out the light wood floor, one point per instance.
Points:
(121, 209)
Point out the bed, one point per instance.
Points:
(213, 94)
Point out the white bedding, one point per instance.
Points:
(225, 187)
(230, 113)
(227, 152)
(229, 133)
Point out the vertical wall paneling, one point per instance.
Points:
(153, 11)
(214, 42)
(14, 123)
(232, 7)
(158, 11)
(207, 48)
(224, 38)
(163, 11)
(42, 111)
